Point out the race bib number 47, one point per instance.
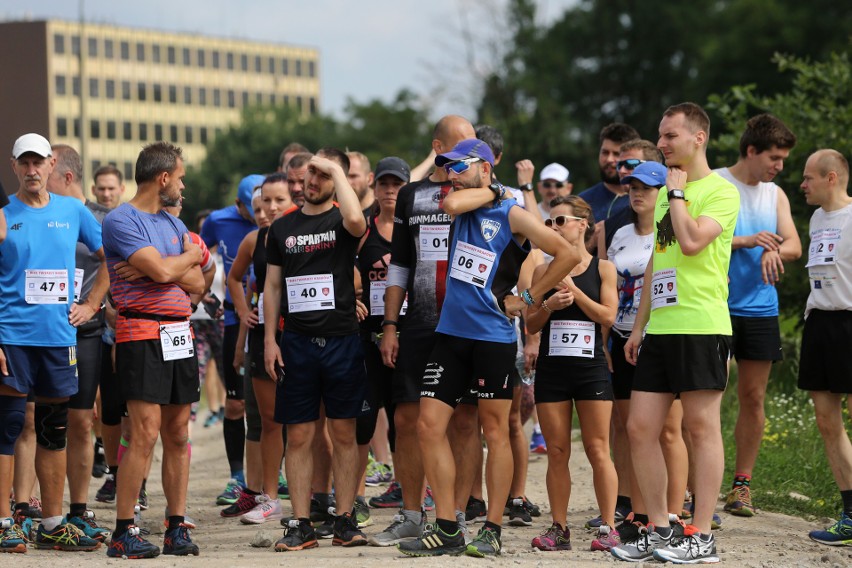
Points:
(46, 286)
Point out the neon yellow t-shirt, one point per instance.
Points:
(690, 293)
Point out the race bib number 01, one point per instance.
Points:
(823, 249)
(46, 286)
(176, 341)
(78, 282)
(572, 338)
(377, 299)
(434, 242)
(664, 289)
(472, 264)
(310, 293)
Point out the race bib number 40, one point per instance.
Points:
(664, 288)
(572, 338)
(472, 264)
(823, 249)
(434, 242)
(176, 340)
(310, 293)
(46, 286)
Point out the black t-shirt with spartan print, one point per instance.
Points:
(317, 258)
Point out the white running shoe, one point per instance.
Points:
(267, 509)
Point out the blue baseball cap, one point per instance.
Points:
(650, 173)
(470, 148)
(246, 189)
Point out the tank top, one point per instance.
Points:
(373, 261)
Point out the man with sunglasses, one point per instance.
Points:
(553, 183)
(605, 197)
(475, 344)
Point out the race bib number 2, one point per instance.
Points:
(664, 289)
(46, 286)
(176, 341)
(310, 293)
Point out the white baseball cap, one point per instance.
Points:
(555, 171)
(35, 143)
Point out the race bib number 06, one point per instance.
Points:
(310, 293)
(664, 289)
(472, 264)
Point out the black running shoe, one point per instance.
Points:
(434, 542)
(346, 532)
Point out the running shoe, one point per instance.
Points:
(32, 510)
(99, 466)
(131, 545)
(211, 420)
(692, 548)
(231, 493)
(537, 443)
(390, 499)
(325, 529)
(628, 529)
(25, 524)
(434, 542)
(283, 490)
(738, 502)
(688, 509)
(838, 534)
(142, 500)
(428, 500)
(475, 510)
(519, 516)
(400, 529)
(64, 537)
(322, 510)
(362, 513)
(177, 542)
(553, 539)
(606, 539)
(106, 494)
(245, 503)
(11, 537)
(533, 509)
(379, 474)
(346, 532)
(486, 543)
(297, 536)
(86, 523)
(642, 547)
(266, 509)
(620, 514)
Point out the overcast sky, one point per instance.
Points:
(368, 49)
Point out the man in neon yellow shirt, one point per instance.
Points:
(688, 340)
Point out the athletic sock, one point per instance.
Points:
(448, 527)
(623, 501)
(847, 501)
(741, 479)
(640, 518)
(413, 516)
(50, 523)
(665, 531)
(537, 428)
(77, 510)
(234, 432)
(175, 521)
(121, 526)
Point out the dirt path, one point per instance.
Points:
(768, 540)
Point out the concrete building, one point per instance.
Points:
(108, 90)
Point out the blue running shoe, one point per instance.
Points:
(838, 534)
(64, 537)
(537, 443)
(231, 493)
(90, 528)
(11, 538)
(131, 545)
(177, 542)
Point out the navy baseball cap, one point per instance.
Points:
(393, 166)
(246, 189)
(650, 173)
(470, 148)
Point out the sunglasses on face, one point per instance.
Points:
(460, 166)
(553, 184)
(560, 220)
(629, 164)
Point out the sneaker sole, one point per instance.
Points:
(304, 546)
(152, 554)
(744, 512)
(617, 553)
(358, 541)
(183, 552)
(476, 553)
(373, 541)
(366, 523)
(17, 549)
(66, 547)
(545, 548)
(105, 499)
(457, 551)
(660, 556)
(517, 522)
(832, 543)
(249, 521)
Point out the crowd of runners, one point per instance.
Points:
(356, 326)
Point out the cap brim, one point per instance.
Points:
(647, 180)
(32, 151)
(395, 173)
(451, 157)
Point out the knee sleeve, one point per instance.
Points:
(12, 413)
(51, 425)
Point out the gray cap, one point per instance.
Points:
(393, 166)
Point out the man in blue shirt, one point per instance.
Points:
(38, 338)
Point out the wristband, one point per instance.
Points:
(499, 191)
(390, 322)
(193, 306)
(675, 194)
(546, 308)
(527, 297)
(527, 187)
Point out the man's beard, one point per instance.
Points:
(167, 201)
(614, 179)
(319, 199)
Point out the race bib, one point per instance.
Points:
(310, 293)
(78, 282)
(472, 264)
(637, 292)
(664, 288)
(46, 286)
(260, 309)
(176, 340)
(434, 242)
(377, 299)
(572, 338)
(823, 249)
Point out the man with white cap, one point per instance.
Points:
(553, 183)
(37, 263)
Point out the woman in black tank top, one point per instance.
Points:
(571, 370)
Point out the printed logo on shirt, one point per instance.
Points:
(311, 242)
(489, 228)
(58, 225)
(16, 226)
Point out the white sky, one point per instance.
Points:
(369, 49)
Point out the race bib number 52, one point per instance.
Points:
(664, 288)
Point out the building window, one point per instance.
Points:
(158, 132)
(125, 51)
(257, 62)
(298, 68)
(272, 98)
(140, 52)
(93, 46)
(271, 65)
(232, 99)
(95, 129)
(75, 45)
(299, 103)
(142, 91)
(58, 44)
(143, 132)
(202, 135)
(229, 59)
(127, 130)
(202, 96)
(155, 53)
(202, 59)
(258, 99)
(286, 100)
(125, 90)
(312, 105)
(173, 94)
(75, 86)
(60, 85)
(312, 69)
(62, 127)
(170, 55)
(245, 98)
(76, 128)
(215, 59)
(173, 133)
(158, 93)
(108, 49)
(244, 62)
(94, 88)
(128, 170)
(285, 67)
(187, 57)
(217, 97)
(187, 135)
(187, 95)
(95, 165)
(111, 130)
(109, 88)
